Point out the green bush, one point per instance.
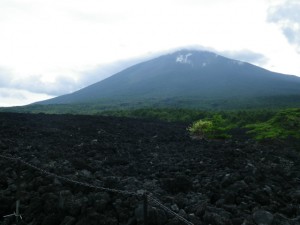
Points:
(212, 128)
(284, 124)
(201, 128)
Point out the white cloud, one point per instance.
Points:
(17, 97)
(286, 16)
(63, 84)
(247, 56)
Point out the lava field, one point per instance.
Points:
(230, 182)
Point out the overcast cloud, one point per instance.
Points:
(287, 17)
(50, 48)
(63, 84)
(17, 97)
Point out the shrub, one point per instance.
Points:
(213, 128)
(201, 128)
(284, 124)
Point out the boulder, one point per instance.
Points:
(263, 217)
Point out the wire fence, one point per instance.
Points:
(148, 197)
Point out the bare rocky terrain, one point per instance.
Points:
(230, 182)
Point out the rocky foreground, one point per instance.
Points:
(217, 182)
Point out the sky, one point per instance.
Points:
(50, 48)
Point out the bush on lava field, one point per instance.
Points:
(214, 128)
(284, 124)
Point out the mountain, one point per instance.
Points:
(186, 74)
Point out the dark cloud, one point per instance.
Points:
(246, 56)
(287, 17)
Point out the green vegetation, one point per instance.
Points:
(214, 128)
(284, 124)
(260, 123)
(201, 128)
(159, 106)
(169, 115)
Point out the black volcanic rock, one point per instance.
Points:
(215, 182)
(186, 74)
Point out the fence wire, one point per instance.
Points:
(150, 196)
(70, 180)
(166, 209)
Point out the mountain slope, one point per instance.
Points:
(186, 74)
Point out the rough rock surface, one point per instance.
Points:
(207, 182)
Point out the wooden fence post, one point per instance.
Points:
(145, 208)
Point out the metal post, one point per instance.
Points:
(145, 208)
(18, 194)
